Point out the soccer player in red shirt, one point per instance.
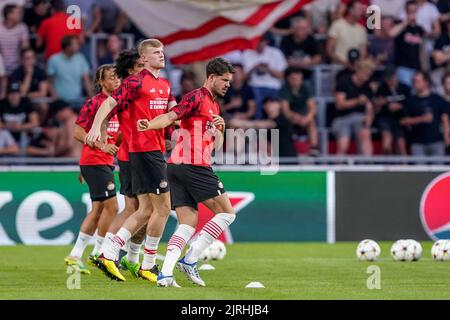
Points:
(96, 166)
(148, 96)
(191, 177)
(128, 63)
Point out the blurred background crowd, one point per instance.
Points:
(329, 83)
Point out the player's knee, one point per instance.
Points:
(228, 217)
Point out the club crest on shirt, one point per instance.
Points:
(163, 184)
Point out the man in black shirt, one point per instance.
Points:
(17, 114)
(300, 48)
(440, 59)
(275, 120)
(389, 104)
(354, 109)
(424, 115)
(408, 45)
(239, 101)
(446, 126)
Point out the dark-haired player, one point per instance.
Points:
(97, 165)
(191, 177)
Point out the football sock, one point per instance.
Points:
(111, 252)
(80, 245)
(210, 232)
(133, 253)
(150, 250)
(98, 244)
(175, 247)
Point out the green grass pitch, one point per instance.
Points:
(287, 270)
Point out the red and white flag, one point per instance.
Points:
(202, 29)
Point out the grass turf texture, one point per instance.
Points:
(287, 270)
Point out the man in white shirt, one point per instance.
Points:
(264, 67)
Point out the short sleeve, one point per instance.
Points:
(128, 91)
(84, 64)
(24, 36)
(189, 105)
(51, 66)
(334, 30)
(86, 115)
(2, 67)
(279, 62)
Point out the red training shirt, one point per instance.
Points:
(147, 97)
(93, 156)
(196, 141)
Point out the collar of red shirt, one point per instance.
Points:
(207, 92)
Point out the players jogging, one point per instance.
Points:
(128, 63)
(148, 96)
(191, 177)
(97, 165)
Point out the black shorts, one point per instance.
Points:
(100, 179)
(125, 178)
(149, 172)
(191, 184)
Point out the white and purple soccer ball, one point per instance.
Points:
(368, 250)
(406, 250)
(440, 251)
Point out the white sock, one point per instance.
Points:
(175, 247)
(133, 253)
(80, 245)
(98, 245)
(119, 240)
(150, 250)
(210, 232)
(106, 242)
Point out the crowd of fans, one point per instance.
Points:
(391, 94)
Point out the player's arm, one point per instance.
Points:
(106, 107)
(160, 122)
(80, 135)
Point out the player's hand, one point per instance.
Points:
(80, 178)
(110, 149)
(142, 124)
(219, 122)
(93, 135)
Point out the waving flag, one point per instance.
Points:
(199, 30)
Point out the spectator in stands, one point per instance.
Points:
(8, 146)
(300, 48)
(3, 79)
(354, 110)
(68, 73)
(389, 105)
(32, 78)
(282, 27)
(239, 101)
(299, 107)
(13, 36)
(90, 18)
(440, 61)
(390, 8)
(17, 114)
(424, 114)
(35, 14)
(353, 58)
(53, 29)
(112, 18)
(320, 14)
(264, 67)
(114, 47)
(275, 120)
(33, 81)
(444, 10)
(188, 82)
(427, 17)
(346, 34)
(446, 127)
(382, 45)
(408, 45)
(346, 4)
